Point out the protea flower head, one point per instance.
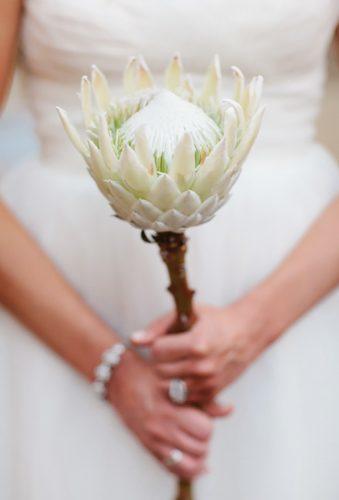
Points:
(166, 158)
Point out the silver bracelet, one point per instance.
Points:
(110, 359)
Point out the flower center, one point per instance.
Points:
(167, 117)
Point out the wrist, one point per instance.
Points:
(116, 387)
(269, 303)
(258, 309)
(93, 337)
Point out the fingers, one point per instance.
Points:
(216, 410)
(188, 467)
(203, 393)
(153, 331)
(175, 347)
(185, 429)
(175, 437)
(187, 368)
(194, 422)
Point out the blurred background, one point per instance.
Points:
(17, 138)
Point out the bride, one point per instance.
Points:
(74, 283)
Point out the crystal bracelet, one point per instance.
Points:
(110, 359)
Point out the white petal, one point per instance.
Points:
(254, 94)
(188, 88)
(248, 139)
(173, 73)
(187, 203)
(101, 89)
(225, 182)
(164, 192)
(193, 220)
(230, 129)
(86, 101)
(133, 172)
(239, 81)
(233, 179)
(160, 227)
(130, 76)
(97, 160)
(106, 147)
(182, 168)
(143, 150)
(97, 167)
(144, 76)
(147, 210)
(173, 219)
(223, 200)
(209, 206)
(212, 83)
(72, 133)
(121, 199)
(238, 111)
(140, 221)
(211, 170)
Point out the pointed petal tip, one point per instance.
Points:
(236, 70)
(92, 147)
(176, 59)
(187, 137)
(216, 60)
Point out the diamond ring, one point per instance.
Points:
(178, 391)
(174, 458)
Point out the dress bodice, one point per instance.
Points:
(285, 40)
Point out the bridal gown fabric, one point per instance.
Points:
(58, 440)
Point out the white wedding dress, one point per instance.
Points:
(57, 440)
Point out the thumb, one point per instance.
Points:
(217, 410)
(153, 331)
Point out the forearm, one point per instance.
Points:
(38, 295)
(307, 275)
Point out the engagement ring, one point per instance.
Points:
(178, 391)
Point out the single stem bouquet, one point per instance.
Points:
(167, 157)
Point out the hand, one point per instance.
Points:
(135, 392)
(218, 348)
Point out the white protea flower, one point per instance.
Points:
(166, 158)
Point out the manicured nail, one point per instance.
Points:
(139, 336)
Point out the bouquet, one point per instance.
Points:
(167, 157)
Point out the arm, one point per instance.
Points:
(225, 341)
(307, 275)
(33, 289)
(10, 17)
(30, 285)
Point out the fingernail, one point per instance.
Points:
(139, 336)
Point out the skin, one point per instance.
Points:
(225, 341)
(35, 292)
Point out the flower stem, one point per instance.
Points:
(173, 248)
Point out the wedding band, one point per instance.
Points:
(177, 391)
(175, 457)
